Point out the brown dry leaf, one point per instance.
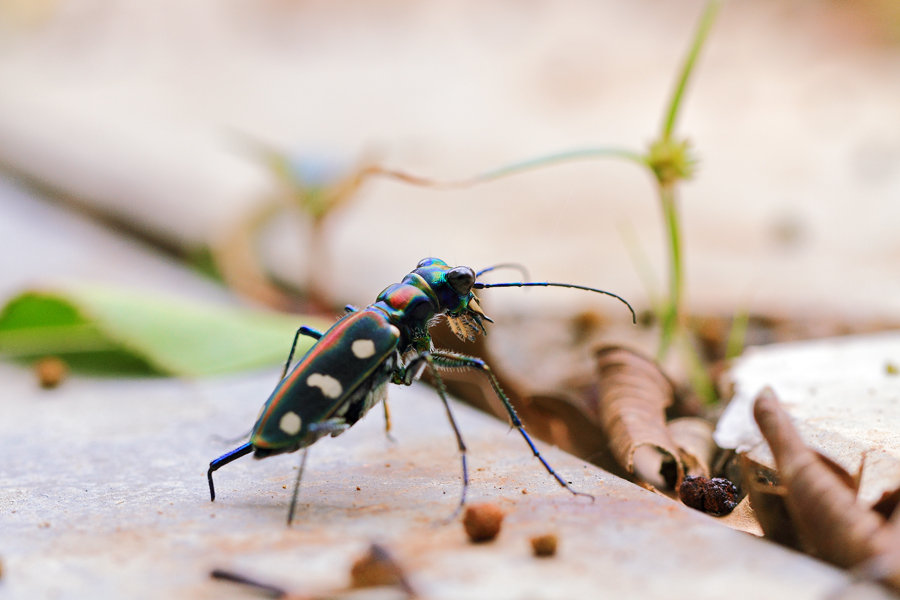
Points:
(633, 397)
(887, 504)
(768, 502)
(821, 501)
(559, 419)
(694, 438)
(743, 518)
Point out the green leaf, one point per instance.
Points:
(114, 331)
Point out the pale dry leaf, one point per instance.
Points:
(821, 500)
(633, 397)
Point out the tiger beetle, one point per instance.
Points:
(347, 370)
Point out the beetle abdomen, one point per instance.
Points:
(330, 386)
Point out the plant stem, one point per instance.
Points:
(703, 28)
(560, 157)
(737, 337)
(671, 316)
(514, 168)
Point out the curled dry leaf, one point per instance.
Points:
(768, 502)
(821, 500)
(633, 397)
(694, 437)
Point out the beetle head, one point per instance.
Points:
(452, 287)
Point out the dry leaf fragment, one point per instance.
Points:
(633, 397)
(743, 518)
(821, 500)
(378, 568)
(694, 438)
(768, 502)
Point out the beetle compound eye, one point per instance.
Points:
(461, 279)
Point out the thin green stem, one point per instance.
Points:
(737, 337)
(671, 317)
(703, 28)
(699, 377)
(514, 168)
(561, 157)
(642, 264)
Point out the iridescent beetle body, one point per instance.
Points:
(347, 370)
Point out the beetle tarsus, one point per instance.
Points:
(224, 460)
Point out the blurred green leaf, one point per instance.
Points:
(113, 331)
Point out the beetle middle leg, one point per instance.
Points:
(293, 507)
(451, 360)
(405, 376)
(387, 421)
(303, 330)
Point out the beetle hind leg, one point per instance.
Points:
(224, 460)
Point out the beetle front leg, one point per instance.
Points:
(405, 376)
(451, 360)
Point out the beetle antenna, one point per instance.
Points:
(479, 285)
(517, 266)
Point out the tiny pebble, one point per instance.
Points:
(544, 545)
(50, 372)
(482, 521)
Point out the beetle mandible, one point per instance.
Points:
(347, 370)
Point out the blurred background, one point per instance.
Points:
(150, 117)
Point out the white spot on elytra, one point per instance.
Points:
(395, 331)
(290, 423)
(330, 386)
(363, 348)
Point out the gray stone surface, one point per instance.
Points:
(103, 494)
(103, 491)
